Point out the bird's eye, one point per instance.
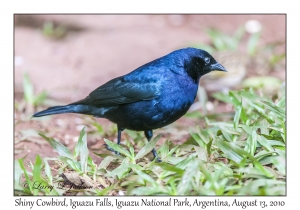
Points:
(207, 60)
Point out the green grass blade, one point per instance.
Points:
(252, 43)
(81, 148)
(251, 143)
(39, 99)
(185, 185)
(226, 148)
(146, 178)
(147, 148)
(18, 172)
(105, 162)
(277, 110)
(237, 116)
(48, 171)
(168, 167)
(164, 149)
(28, 89)
(196, 137)
(73, 164)
(216, 38)
(264, 142)
(279, 163)
(118, 148)
(105, 191)
(238, 34)
(172, 150)
(222, 97)
(58, 147)
(37, 168)
(281, 102)
(120, 171)
(149, 190)
(29, 183)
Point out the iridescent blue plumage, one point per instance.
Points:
(150, 97)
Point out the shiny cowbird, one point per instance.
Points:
(150, 97)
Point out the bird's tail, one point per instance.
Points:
(60, 110)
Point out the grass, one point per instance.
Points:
(29, 96)
(230, 42)
(267, 53)
(242, 155)
(57, 32)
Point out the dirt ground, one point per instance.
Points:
(97, 48)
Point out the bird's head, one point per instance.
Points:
(198, 62)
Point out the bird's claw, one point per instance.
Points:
(156, 158)
(111, 149)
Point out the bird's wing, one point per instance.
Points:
(119, 91)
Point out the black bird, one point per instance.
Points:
(150, 97)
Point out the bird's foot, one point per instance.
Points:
(111, 149)
(156, 156)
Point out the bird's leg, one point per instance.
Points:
(119, 141)
(149, 135)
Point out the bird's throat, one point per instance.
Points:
(195, 69)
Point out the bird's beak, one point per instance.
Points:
(217, 67)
